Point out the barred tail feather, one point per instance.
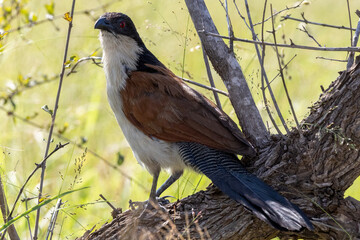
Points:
(228, 174)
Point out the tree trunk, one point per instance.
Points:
(312, 169)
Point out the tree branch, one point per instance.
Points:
(328, 49)
(53, 117)
(226, 65)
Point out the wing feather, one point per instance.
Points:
(163, 106)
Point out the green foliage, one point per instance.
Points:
(32, 41)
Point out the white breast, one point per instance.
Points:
(152, 153)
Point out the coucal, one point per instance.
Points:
(171, 126)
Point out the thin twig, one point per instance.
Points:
(242, 17)
(265, 75)
(54, 215)
(230, 29)
(309, 35)
(43, 165)
(210, 77)
(351, 55)
(38, 166)
(282, 74)
(277, 13)
(206, 87)
(314, 23)
(112, 206)
(27, 217)
(5, 210)
(329, 49)
(93, 59)
(331, 59)
(284, 67)
(354, 43)
(349, 14)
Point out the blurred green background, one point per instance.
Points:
(32, 56)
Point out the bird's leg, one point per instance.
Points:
(152, 197)
(152, 202)
(175, 176)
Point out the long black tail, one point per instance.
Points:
(228, 174)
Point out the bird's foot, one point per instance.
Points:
(142, 205)
(150, 208)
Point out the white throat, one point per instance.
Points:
(120, 54)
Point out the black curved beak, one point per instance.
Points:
(103, 24)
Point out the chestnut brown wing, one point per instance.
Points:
(163, 106)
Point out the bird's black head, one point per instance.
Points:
(118, 24)
(122, 42)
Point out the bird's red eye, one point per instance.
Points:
(122, 24)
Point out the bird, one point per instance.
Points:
(171, 126)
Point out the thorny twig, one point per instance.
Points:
(314, 23)
(309, 35)
(331, 59)
(277, 13)
(350, 23)
(53, 117)
(242, 17)
(230, 29)
(282, 68)
(264, 73)
(282, 74)
(329, 49)
(210, 77)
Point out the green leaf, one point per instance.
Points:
(120, 159)
(44, 202)
(50, 8)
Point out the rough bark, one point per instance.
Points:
(312, 169)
